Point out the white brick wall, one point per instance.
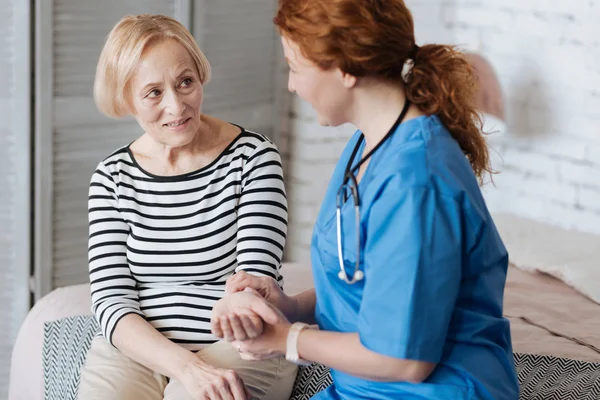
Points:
(547, 56)
(314, 151)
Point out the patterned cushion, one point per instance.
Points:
(310, 380)
(544, 377)
(66, 342)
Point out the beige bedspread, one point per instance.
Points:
(549, 317)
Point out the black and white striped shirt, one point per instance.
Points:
(163, 247)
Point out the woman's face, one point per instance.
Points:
(327, 91)
(166, 94)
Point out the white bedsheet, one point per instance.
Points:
(573, 257)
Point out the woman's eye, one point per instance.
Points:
(154, 93)
(186, 82)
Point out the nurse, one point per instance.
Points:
(409, 269)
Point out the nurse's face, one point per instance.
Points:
(327, 91)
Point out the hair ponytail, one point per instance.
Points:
(374, 39)
(441, 81)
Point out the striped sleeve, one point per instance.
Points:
(113, 288)
(262, 214)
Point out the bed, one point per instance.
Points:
(548, 317)
(555, 330)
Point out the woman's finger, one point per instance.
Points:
(252, 325)
(236, 386)
(225, 391)
(215, 327)
(227, 331)
(212, 394)
(239, 332)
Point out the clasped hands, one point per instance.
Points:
(250, 317)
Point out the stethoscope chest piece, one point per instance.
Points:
(357, 277)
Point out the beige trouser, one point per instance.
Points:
(109, 374)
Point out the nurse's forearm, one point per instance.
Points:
(304, 309)
(344, 352)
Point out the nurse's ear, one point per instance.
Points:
(349, 81)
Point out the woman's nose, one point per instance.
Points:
(174, 103)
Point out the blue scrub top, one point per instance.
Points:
(435, 270)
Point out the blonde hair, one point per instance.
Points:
(122, 52)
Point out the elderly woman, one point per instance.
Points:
(172, 216)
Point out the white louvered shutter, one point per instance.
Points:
(15, 103)
(239, 40)
(71, 135)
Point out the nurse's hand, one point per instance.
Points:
(241, 316)
(272, 343)
(267, 287)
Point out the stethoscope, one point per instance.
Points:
(350, 184)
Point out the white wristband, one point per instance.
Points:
(291, 353)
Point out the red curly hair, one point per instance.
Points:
(375, 38)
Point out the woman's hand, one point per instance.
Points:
(241, 316)
(228, 324)
(203, 382)
(272, 343)
(267, 287)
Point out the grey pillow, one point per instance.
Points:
(66, 342)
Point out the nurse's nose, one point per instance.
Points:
(291, 84)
